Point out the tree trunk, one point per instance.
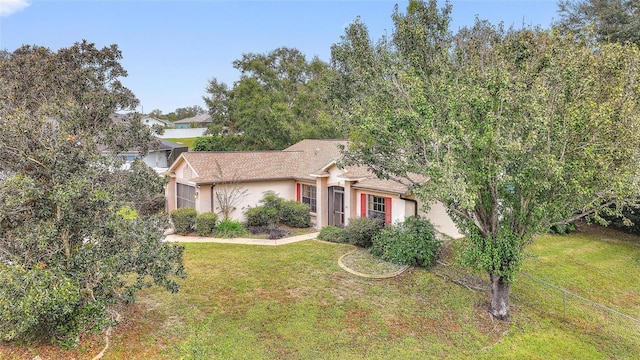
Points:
(499, 307)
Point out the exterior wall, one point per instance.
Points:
(170, 195)
(350, 203)
(438, 216)
(401, 209)
(322, 202)
(398, 206)
(182, 133)
(203, 198)
(183, 174)
(286, 189)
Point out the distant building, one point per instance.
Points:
(198, 121)
(150, 121)
(159, 157)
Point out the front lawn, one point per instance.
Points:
(294, 301)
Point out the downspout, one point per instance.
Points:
(415, 204)
(212, 199)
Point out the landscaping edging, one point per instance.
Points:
(369, 276)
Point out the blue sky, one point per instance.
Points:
(172, 49)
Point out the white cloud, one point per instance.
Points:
(8, 7)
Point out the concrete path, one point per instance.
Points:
(245, 241)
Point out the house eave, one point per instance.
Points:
(405, 193)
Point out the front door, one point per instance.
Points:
(336, 206)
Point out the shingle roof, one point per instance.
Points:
(316, 154)
(298, 161)
(202, 118)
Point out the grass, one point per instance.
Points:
(294, 301)
(183, 141)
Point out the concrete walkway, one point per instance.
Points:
(244, 241)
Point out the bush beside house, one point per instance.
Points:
(332, 234)
(360, 231)
(184, 220)
(206, 223)
(295, 214)
(275, 210)
(412, 242)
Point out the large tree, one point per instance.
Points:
(78, 233)
(608, 20)
(279, 100)
(515, 130)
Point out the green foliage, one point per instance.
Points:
(562, 229)
(184, 220)
(360, 231)
(262, 216)
(332, 233)
(276, 210)
(627, 219)
(206, 223)
(279, 100)
(295, 214)
(27, 294)
(412, 242)
(516, 129)
(230, 229)
(127, 213)
(79, 235)
(272, 200)
(606, 20)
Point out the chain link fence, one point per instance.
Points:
(612, 328)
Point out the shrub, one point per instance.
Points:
(34, 309)
(262, 216)
(295, 214)
(332, 233)
(628, 222)
(184, 219)
(206, 223)
(230, 229)
(412, 242)
(562, 229)
(360, 231)
(272, 200)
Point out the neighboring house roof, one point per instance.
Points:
(168, 145)
(305, 160)
(202, 118)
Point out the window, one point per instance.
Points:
(376, 207)
(185, 196)
(308, 196)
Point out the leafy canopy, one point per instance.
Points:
(78, 235)
(278, 101)
(607, 20)
(515, 130)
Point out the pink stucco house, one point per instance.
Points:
(306, 172)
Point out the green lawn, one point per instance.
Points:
(183, 141)
(295, 302)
